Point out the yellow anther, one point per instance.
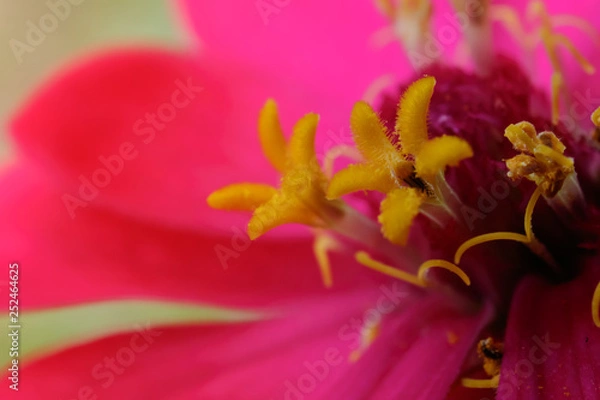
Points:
(322, 245)
(370, 331)
(366, 260)
(542, 160)
(445, 265)
(398, 210)
(491, 383)
(596, 306)
(411, 118)
(271, 136)
(241, 196)
(301, 148)
(488, 237)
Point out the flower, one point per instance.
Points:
(120, 187)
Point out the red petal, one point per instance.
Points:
(101, 255)
(552, 347)
(89, 126)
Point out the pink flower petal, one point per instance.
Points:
(552, 347)
(89, 126)
(304, 352)
(324, 51)
(101, 255)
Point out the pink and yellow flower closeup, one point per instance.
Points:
(444, 155)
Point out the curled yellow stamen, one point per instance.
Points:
(596, 306)
(365, 259)
(443, 264)
(529, 213)
(488, 237)
(517, 237)
(322, 245)
(417, 280)
(491, 383)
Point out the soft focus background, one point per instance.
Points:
(86, 27)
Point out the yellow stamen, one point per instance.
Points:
(491, 383)
(322, 245)
(596, 117)
(271, 135)
(552, 41)
(443, 264)
(542, 160)
(411, 118)
(488, 237)
(596, 306)
(370, 331)
(398, 210)
(418, 280)
(557, 87)
(529, 213)
(366, 260)
(241, 196)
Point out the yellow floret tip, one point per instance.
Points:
(411, 119)
(438, 153)
(271, 136)
(398, 210)
(241, 196)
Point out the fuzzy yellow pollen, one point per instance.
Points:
(491, 383)
(596, 306)
(300, 197)
(241, 196)
(411, 121)
(398, 210)
(438, 153)
(384, 167)
(542, 158)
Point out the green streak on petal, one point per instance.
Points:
(51, 330)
